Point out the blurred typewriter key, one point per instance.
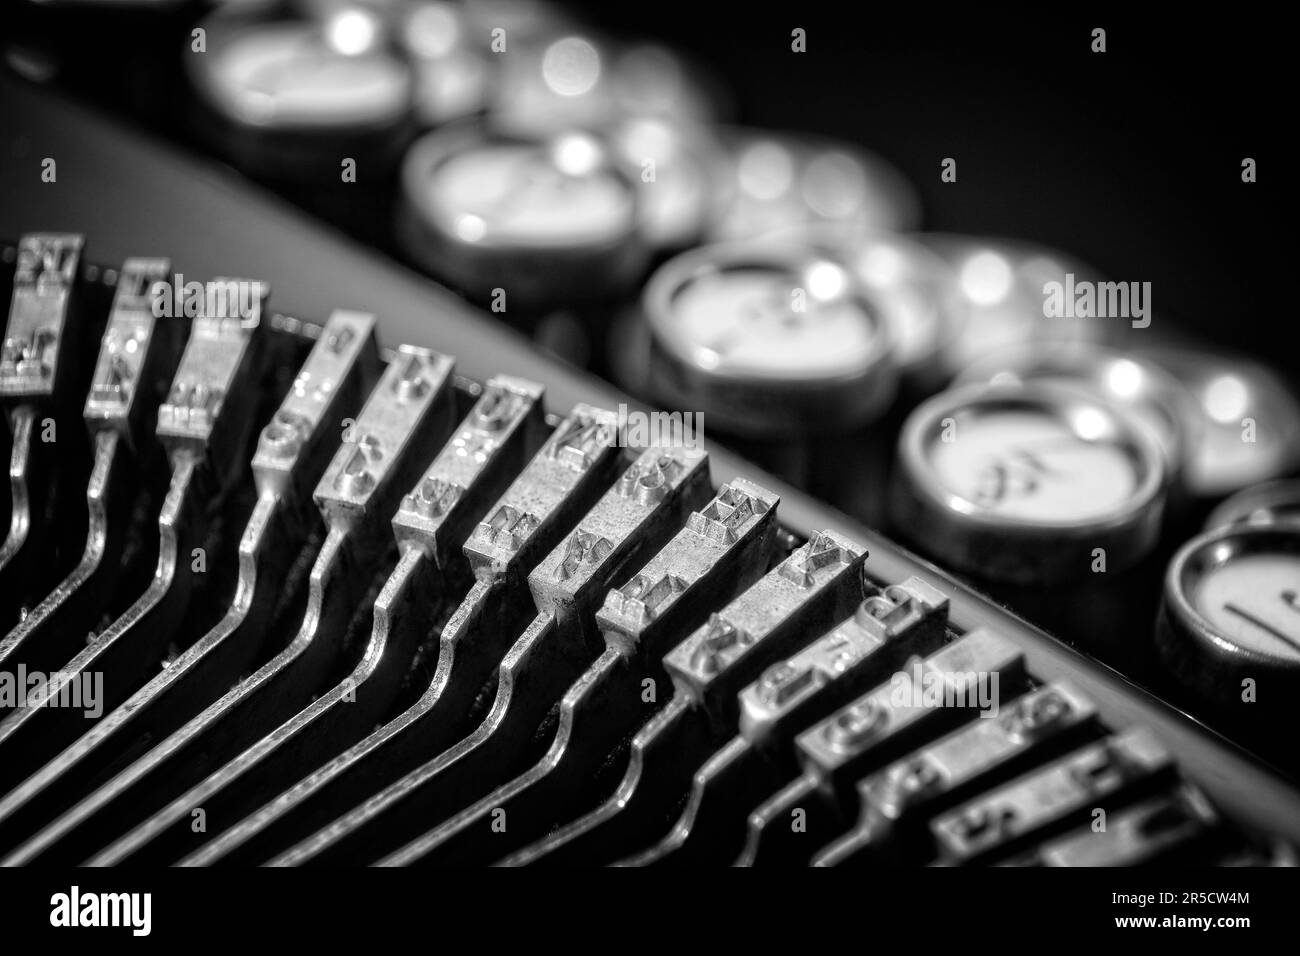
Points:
(562, 477)
(1002, 285)
(408, 411)
(137, 357)
(916, 289)
(203, 426)
(291, 99)
(1178, 828)
(1229, 628)
(721, 551)
(677, 168)
(884, 723)
(452, 76)
(917, 292)
(777, 182)
(896, 802)
(577, 80)
(1157, 399)
(649, 79)
(816, 585)
(1248, 422)
(523, 223)
(1022, 483)
(41, 378)
(291, 454)
(1045, 802)
(1259, 504)
(632, 521)
(768, 340)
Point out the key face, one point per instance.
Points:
(879, 619)
(582, 444)
(410, 386)
(892, 708)
(1141, 387)
(1259, 504)
(741, 511)
(125, 347)
(651, 490)
(709, 655)
(1084, 779)
(555, 212)
(1230, 619)
(210, 366)
(799, 182)
(346, 348)
(1020, 482)
(1227, 389)
(44, 277)
(504, 409)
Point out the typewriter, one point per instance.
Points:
(309, 560)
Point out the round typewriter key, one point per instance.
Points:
(779, 182)
(676, 168)
(915, 289)
(1003, 285)
(1152, 395)
(1024, 483)
(1260, 504)
(453, 78)
(578, 80)
(1249, 421)
(651, 80)
(544, 220)
(767, 340)
(1231, 614)
(290, 98)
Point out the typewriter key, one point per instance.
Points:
(767, 340)
(778, 182)
(1155, 398)
(290, 99)
(1259, 504)
(453, 77)
(1248, 419)
(520, 221)
(574, 80)
(916, 290)
(1002, 285)
(1229, 628)
(677, 168)
(1024, 483)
